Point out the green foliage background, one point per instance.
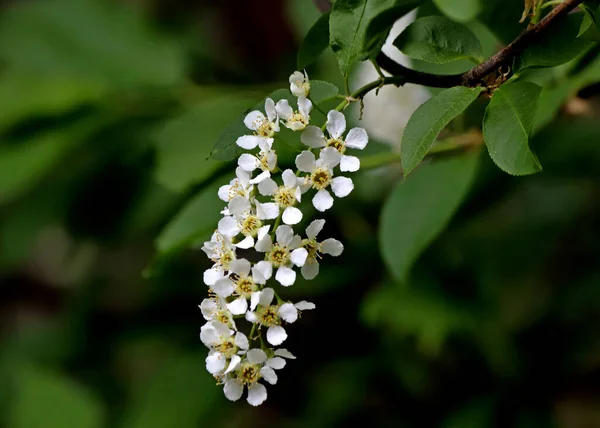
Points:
(465, 297)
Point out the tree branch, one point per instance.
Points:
(474, 77)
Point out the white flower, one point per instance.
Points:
(284, 196)
(330, 246)
(321, 176)
(239, 186)
(215, 309)
(221, 251)
(285, 253)
(224, 344)
(266, 160)
(299, 84)
(294, 120)
(268, 315)
(264, 127)
(357, 138)
(242, 283)
(247, 372)
(247, 219)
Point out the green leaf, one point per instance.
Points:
(379, 27)
(314, 43)
(459, 10)
(419, 208)
(439, 40)
(558, 46)
(43, 399)
(88, 39)
(502, 18)
(225, 148)
(429, 119)
(349, 22)
(184, 143)
(507, 125)
(180, 391)
(321, 92)
(195, 222)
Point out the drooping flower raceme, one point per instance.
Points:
(255, 250)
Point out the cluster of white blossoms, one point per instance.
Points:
(255, 242)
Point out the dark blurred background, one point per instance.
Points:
(108, 112)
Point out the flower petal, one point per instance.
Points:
(304, 105)
(276, 335)
(254, 299)
(263, 245)
(276, 363)
(266, 297)
(284, 235)
(322, 200)
(313, 137)
(268, 374)
(253, 118)
(215, 363)
(233, 364)
(240, 266)
(303, 305)
(248, 162)
(289, 178)
(256, 356)
(292, 215)
(284, 110)
(239, 205)
(270, 110)
(298, 256)
(288, 312)
(228, 226)
(342, 186)
(357, 138)
(349, 164)
(239, 306)
(329, 157)
(224, 192)
(247, 242)
(257, 394)
(305, 161)
(262, 271)
(260, 177)
(248, 142)
(267, 187)
(336, 123)
(285, 353)
(233, 389)
(267, 211)
(310, 269)
(285, 276)
(223, 287)
(241, 341)
(332, 246)
(212, 275)
(314, 228)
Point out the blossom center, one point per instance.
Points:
(249, 374)
(245, 286)
(263, 161)
(312, 247)
(278, 256)
(297, 121)
(285, 196)
(337, 144)
(264, 128)
(236, 189)
(226, 346)
(268, 316)
(250, 225)
(226, 258)
(320, 178)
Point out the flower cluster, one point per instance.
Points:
(255, 243)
